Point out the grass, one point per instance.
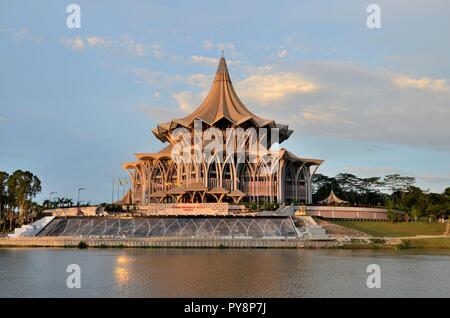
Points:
(399, 229)
(413, 243)
(372, 246)
(428, 243)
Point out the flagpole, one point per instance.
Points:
(112, 196)
(118, 189)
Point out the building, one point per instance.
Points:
(332, 199)
(252, 175)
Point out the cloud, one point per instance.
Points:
(228, 48)
(269, 88)
(208, 45)
(200, 79)
(187, 100)
(123, 42)
(327, 115)
(351, 101)
(154, 78)
(404, 81)
(282, 53)
(157, 113)
(20, 35)
(131, 45)
(73, 43)
(98, 41)
(336, 99)
(25, 35)
(211, 61)
(158, 52)
(383, 171)
(372, 171)
(444, 179)
(205, 60)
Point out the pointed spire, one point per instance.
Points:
(222, 102)
(222, 71)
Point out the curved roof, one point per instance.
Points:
(332, 199)
(222, 103)
(176, 190)
(308, 161)
(163, 153)
(236, 193)
(218, 190)
(158, 194)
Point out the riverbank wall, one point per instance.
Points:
(163, 242)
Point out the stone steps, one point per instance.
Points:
(32, 229)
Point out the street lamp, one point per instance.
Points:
(78, 199)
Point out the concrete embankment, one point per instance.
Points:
(163, 242)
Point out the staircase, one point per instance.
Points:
(313, 230)
(283, 210)
(317, 232)
(32, 229)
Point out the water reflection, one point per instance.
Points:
(221, 273)
(121, 269)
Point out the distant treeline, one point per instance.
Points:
(393, 191)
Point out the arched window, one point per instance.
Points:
(227, 176)
(245, 180)
(213, 176)
(157, 178)
(289, 184)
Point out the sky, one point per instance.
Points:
(76, 103)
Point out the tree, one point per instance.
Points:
(447, 193)
(3, 195)
(348, 182)
(439, 210)
(68, 202)
(47, 204)
(322, 186)
(416, 201)
(370, 190)
(23, 186)
(60, 202)
(398, 183)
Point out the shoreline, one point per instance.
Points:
(162, 242)
(435, 242)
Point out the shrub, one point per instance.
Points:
(113, 208)
(82, 244)
(405, 244)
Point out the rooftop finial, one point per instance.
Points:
(222, 52)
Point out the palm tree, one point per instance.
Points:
(68, 202)
(60, 202)
(47, 204)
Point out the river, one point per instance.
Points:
(222, 273)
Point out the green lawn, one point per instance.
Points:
(441, 242)
(398, 229)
